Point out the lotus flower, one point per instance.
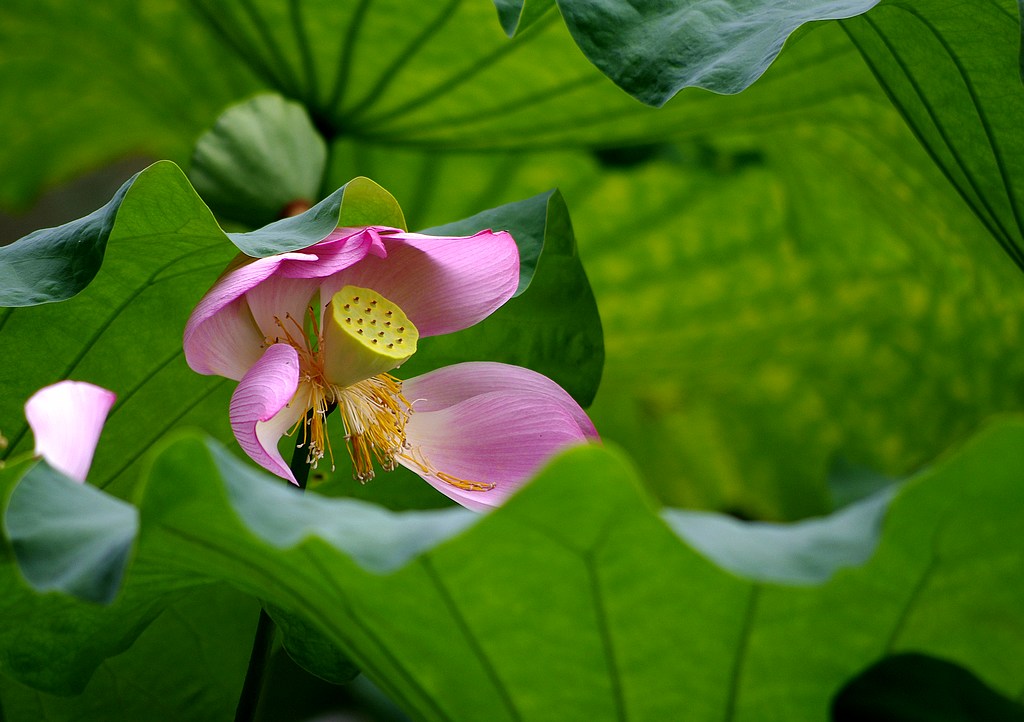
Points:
(66, 419)
(322, 328)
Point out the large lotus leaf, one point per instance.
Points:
(163, 250)
(953, 71)
(96, 82)
(410, 89)
(610, 616)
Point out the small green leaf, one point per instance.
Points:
(313, 651)
(70, 537)
(654, 50)
(367, 204)
(53, 264)
(360, 202)
(260, 156)
(919, 688)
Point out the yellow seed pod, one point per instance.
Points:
(364, 334)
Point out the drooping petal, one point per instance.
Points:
(220, 336)
(499, 438)
(261, 408)
(66, 419)
(343, 248)
(450, 385)
(443, 284)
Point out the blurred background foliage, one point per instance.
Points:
(787, 279)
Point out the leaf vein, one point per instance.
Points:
(345, 57)
(161, 431)
(405, 57)
(380, 645)
(742, 648)
(439, 90)
(978, 202)
(604, 630)
(471, 639)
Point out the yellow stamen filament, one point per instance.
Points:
(320, 395)
(374, 413)
(415, 457)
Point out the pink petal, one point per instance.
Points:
(66, 419)
(343, 248)
(220, 336)
(272, 302)
(227, 343)
(498, 437)
(261, 410)
(443, 284)
(449, 385)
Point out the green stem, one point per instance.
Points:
(263, 642)
(249, 699)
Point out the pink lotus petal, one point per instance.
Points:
(452, 384)
(442, 284)
(277, 298)
(219, 331)
(227, 343)
(66, 419)
(499, 438)
(343, 248)
(261, 411)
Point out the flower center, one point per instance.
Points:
(344, 362)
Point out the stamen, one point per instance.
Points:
(462, 483)
(374, 413)
(320, 395)
(415, 456)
